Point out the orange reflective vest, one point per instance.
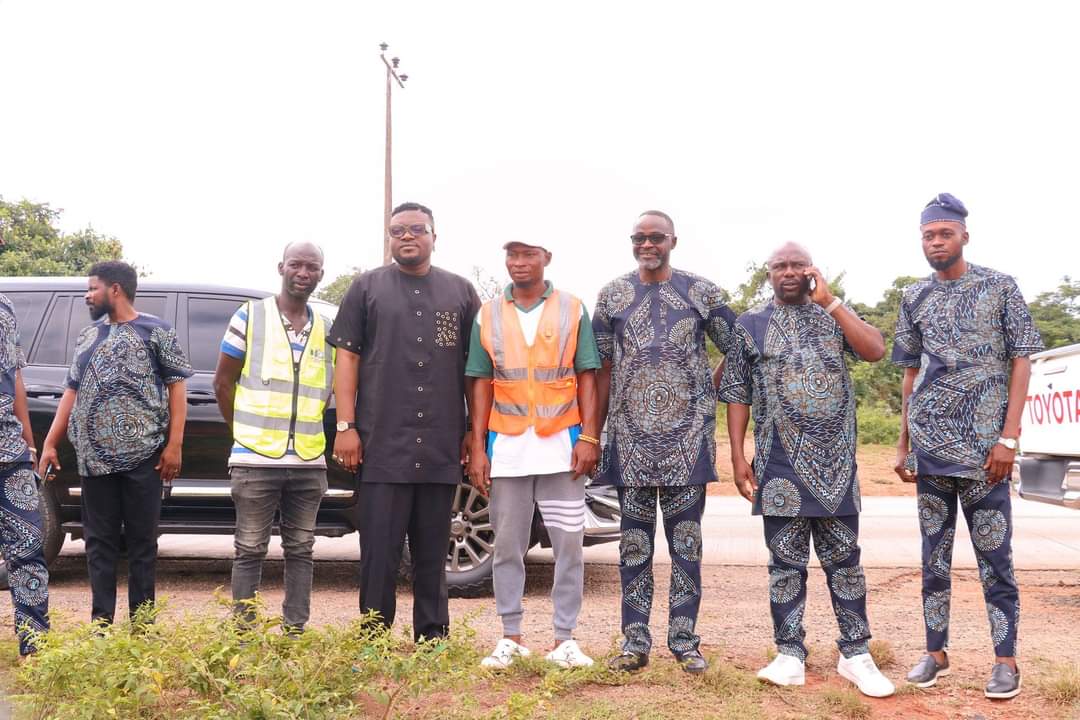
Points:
(535, 385)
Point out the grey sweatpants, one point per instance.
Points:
(561, 499)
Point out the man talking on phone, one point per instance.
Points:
(788, 364)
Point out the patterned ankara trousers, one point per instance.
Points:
(836, 541)
(682, 508)
(21, 541)
(988, 510)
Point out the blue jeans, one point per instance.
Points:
(258, 494)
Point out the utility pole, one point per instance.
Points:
(392, 76)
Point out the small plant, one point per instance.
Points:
(883, 654)
(1060, 684)
(844, 704)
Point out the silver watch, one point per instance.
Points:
(1011, 443)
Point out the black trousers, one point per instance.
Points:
(388, 512)
(118, 509)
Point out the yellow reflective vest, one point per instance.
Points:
(276, 398)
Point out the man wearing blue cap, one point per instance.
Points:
(963, 335)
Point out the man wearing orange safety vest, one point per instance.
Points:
(535, 437)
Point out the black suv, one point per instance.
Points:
(51, 312)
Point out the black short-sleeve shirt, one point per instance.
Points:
(412, 336)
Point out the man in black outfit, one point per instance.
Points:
(402, 334)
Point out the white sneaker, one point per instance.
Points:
(861, 670)
(504, 654)
(569, 655)
(784, 670)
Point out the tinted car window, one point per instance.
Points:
(51, 348)
(151, 305)
(207, 320)
(29, 307)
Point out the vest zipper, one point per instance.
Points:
(296, 377)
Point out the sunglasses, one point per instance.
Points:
(399, 231)
(654, 238)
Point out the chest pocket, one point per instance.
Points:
(447, 328)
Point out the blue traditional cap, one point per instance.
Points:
(944, 208)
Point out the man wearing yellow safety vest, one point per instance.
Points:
(535, 437)
(273, 379)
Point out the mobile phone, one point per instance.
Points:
(50, 472)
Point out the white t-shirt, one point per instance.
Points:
(529, 453)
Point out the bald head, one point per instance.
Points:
(304, 247)
(791, 249)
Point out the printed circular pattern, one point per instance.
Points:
(932, 513)
(705, 295)
(688, 540)
(849, 583)
(936, 611)
(683, 334)
(635, 547)
(781, 498)
(620, 293)
(999, 624)
(30, 584)
(20, 488)
(784, 585)
(662, 392)
(637, 637)
(816, 382)
(988, 529)
(986, 574)
(681, 636)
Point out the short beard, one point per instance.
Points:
(945, 264)
(410, 261)
(650, 263)
(99, 311)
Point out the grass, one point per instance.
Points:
(844, 703)
(883, 654)
(1060, 684)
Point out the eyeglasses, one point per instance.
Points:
(654, 238)
(398, 231)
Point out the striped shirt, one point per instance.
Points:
(234, 344)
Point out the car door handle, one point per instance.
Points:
(39, 391)
(198, 397)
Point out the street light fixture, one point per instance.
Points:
(392, 76)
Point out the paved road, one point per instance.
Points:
(1045, 537)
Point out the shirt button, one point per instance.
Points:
(419, 414)
(419, 388)
(417, 466)
(420, 363)
(418, 440)
(418, 313)
(416, 292)
(419, 339)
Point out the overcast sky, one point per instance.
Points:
(206, 135)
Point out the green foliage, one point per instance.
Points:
(1057, 314)
(202, 667)
(334, 291)
(33, 245)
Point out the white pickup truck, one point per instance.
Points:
(1048, 467)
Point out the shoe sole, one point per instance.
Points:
(788, 683)
(932, 681)
(1004, 695)
(843, 673)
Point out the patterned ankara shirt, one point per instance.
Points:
(661, 423)
(788, 363)
(122, 407)
(13, 448)
(961, 334)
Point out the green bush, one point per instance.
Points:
(878, 425)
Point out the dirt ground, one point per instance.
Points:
(735, 627)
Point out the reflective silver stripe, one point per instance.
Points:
(255, 338)
(281, 386)
(549, 374)
(564, 325)
(497, 332)
(511, 409)
(275, 423)
(550, 411)
(511, 373)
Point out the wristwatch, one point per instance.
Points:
(342, 426)
(1011, 443)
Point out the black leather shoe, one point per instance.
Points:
(693, 662)
(1004, 683)
(628, 661)
(927, 671)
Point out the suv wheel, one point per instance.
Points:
(52, 537)
(471, 551)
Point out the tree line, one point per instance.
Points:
(34, 245)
